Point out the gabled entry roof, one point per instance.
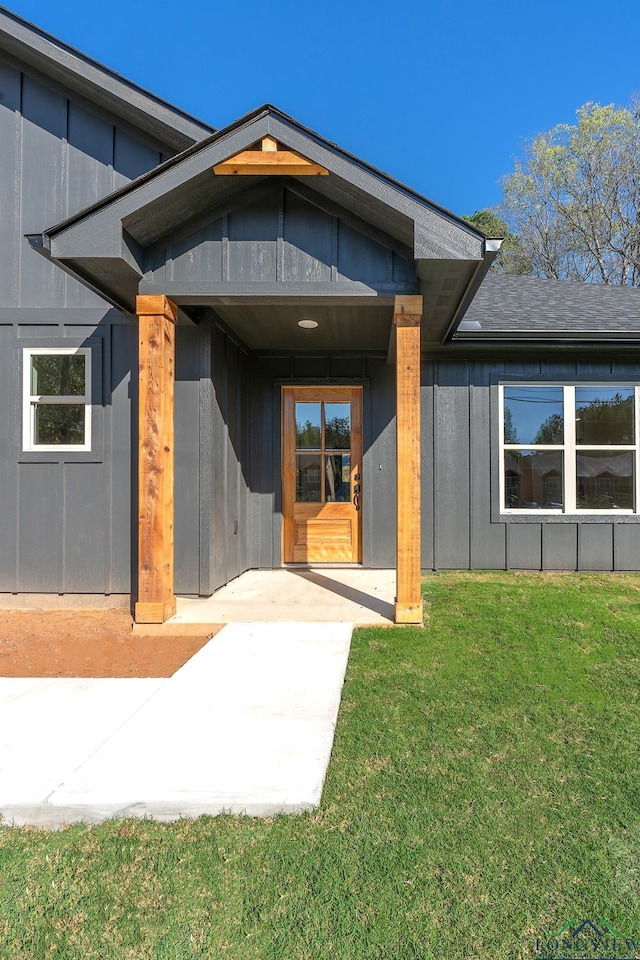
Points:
(382, 238)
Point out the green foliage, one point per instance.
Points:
(573, 198)
(551, 431)
(512, 257)
(606, 421)
(482, 791)
(510, 432)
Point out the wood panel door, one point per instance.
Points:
(322, 474)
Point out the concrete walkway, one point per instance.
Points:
(245, 726)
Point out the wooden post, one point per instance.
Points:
(406, 319)
(156, 360)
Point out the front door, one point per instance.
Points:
(322, 474)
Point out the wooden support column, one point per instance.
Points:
(406, 321)
(156, 363)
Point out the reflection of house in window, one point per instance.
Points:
(605, 480)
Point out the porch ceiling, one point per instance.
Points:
(274, 326)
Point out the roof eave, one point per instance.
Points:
(92, 80)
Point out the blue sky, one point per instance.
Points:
(439, 96)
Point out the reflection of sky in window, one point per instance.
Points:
(589, 394)
(530, 407)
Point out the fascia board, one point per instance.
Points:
(93, 80)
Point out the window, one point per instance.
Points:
(56, 398)
(569, 449)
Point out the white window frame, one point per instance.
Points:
(570, 449)
(31, 401)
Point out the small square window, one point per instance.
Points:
(57, 398)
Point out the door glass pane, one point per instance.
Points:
(337, 426)
(533, 479)
(59, 423)
(337, 478)
(308, 429)
(604, 415)
(56, 375)
(308, 478)
(533, 415)
(604, 480)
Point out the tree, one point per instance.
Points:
(551, 431)
(512, 257)
(574, 198)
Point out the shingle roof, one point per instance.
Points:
(529, 306)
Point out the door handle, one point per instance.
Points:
(356, 496)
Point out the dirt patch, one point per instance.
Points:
(87, 643)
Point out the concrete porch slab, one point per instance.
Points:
(305, 595)
(245, 726)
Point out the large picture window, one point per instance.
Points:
(57, 398)
(569, 448)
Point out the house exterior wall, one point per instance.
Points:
(65, 519)
(463, 525)
(57, 156)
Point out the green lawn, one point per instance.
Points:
(483, 792)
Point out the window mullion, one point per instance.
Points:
(570, 505)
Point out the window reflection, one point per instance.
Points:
(308, 480)
(605, 481)
(534, 479)
(605, 415)
(308, 429)
(338, 478)
(533, 415)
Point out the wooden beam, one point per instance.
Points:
(270, 160)
(156, 365)
(406, 322)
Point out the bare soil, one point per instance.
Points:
(87, 643)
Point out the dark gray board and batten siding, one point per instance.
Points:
(463, 512)
(66, 521)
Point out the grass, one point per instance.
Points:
(483, 791)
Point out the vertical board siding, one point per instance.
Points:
(122, 476)
(10, 236)
(451, 468)
(43, 194)
(252, 241)
(219, 512)
(379, 460)
(560, 546)
(231, 516)
(595, 546)
(308, 239)
(56, 158)
(427, 466)
(187, 461)
(41, 521)
(85, 530)
(199, 255)
(626, 546)
(360, 258)
(524, 546)
(10, 407)
(467, 528)
(488, 540)
(66, 525)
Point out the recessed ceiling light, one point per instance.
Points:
(308, 324)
